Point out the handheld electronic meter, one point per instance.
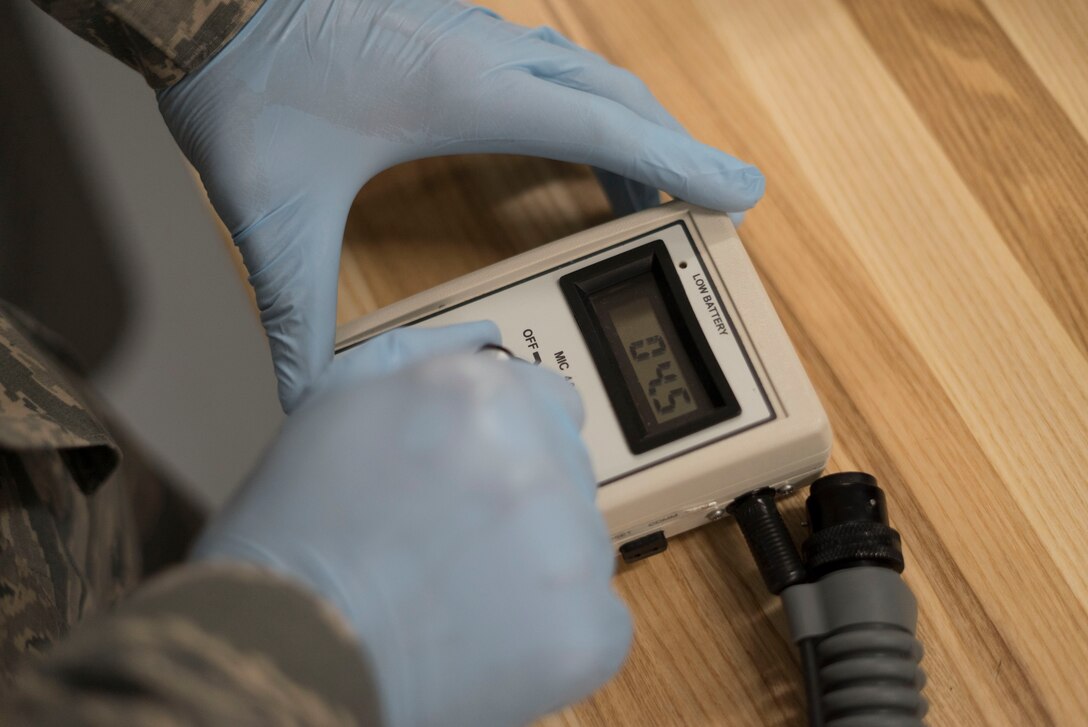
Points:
(693, 393)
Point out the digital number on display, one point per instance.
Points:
(653, 360)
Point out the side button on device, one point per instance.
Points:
(644, 547)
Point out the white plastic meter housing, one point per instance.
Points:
(692, 390)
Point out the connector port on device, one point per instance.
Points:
(644, 547)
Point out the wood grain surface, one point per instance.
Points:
(925, 240)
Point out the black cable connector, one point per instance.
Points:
(851, 615)
(772, 547)
(848, 517)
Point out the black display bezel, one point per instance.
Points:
(653, 258)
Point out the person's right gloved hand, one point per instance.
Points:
(443, 501)
(313, 98)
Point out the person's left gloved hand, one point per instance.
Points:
(314, 97)
(443, 502)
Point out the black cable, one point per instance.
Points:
(810, 668)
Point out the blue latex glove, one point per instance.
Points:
(314, 97)
(443, 501)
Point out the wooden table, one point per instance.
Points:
(925, 240)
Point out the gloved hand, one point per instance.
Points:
(314, 97)
(445, 506)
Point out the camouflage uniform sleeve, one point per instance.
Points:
(68, 544)
(203, 645)
(162, 39)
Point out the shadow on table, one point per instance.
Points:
(426, 222)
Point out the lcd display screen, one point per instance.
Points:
(657, 367)
(657, 371)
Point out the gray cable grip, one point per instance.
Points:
(848, 597)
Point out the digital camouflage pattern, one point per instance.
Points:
(80, 526)
(162, 39)
(203, 645)
(68, 542)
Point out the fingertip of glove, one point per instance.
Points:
(712, 178)
(739, 191)
(754, 181)
(742, 187)
(617, 638)
(572, 404)
(485, 332)
(625, 629)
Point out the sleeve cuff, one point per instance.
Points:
(163, 39)
(261, 614)
(220, 644)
